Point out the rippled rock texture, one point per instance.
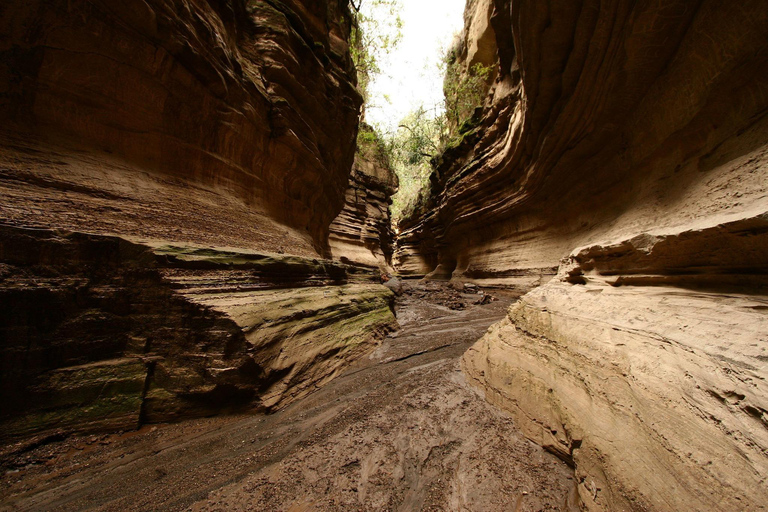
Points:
(644, 364)
(604, 122)
(169, 171)
(362, 233)
(623, 147)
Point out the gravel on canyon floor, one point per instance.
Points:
(399, 431)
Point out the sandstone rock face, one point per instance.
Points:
(609, 123)
(643, 363)
(159, 162)
(624, 149)
(362, 233)
(212, 102)
(480, 45)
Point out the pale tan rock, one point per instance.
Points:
(623, 147)
(635, 366)
(479, 35)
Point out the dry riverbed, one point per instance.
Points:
(399, 431)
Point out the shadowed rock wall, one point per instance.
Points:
(168, 173)
(623, 149)
(103, 333)
(253, 100)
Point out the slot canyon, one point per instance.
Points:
(206, 305)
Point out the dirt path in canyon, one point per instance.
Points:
(399, 431)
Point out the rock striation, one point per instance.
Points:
(253, 103)
(608, 124)
(105, 333)
(643, 364)
(620, 163)
(362, 233)
(169, 172)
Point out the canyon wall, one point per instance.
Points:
(362, 233)
(246, 114)
(169, 171)
(620, 161)
(104, 333)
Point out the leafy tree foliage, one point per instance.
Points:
(376, 30)
(417, 140)
(424, 133)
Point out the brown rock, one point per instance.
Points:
(362, 232)
(103, 334)
(155, 157)
(396, 285)
(215, 111)
(578, 145)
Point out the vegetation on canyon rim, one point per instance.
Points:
(425, 132)
(371, 38)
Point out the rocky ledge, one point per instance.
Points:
(635, 366)
(103, 333)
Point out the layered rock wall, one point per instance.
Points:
(623, 147)
(104, 333)
(255, 102)
(362, 233)
(643, 364)
(603, 122)
(168, 173)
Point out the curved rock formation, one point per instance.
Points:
(104, 333)
(604, 122)
(643, 363)
(625, 143)
(159, 161)
(212, 104)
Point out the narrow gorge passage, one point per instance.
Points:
(400, 430)
(203, 225)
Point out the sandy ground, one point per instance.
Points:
(399, 431)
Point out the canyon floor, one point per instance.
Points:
(400, 430)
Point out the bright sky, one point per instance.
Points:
(410, 75)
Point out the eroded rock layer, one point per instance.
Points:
(643, 363)
(103, 333)
(254, 103)
(362, 233)
(623, 147)
(604, 122)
